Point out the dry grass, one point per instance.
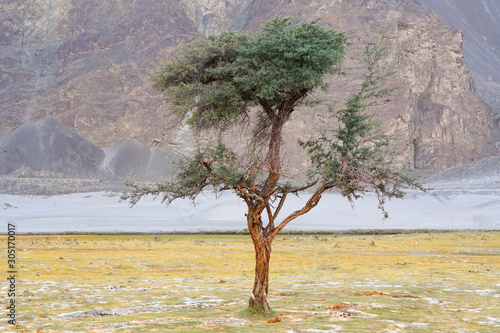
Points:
(393, 283)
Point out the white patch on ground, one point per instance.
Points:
(202, 302)
(485, 292)
(334, 329)
(406, 325)
(436, 301)
(377, 284)
(491, 321)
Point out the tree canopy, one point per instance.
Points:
(216, 82)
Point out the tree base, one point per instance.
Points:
(259, 304)
(257, 311)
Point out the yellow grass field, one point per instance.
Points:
(425, 282)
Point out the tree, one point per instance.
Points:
(260, 79)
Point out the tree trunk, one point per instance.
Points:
(262, 246)
(258, 298)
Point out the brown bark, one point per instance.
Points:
(262, 246)
(258, 299)
(310, 204)
(258, 202)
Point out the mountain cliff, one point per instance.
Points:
(87, 63)
(480, 23)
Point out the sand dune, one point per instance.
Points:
(99, 212)
(49, 146)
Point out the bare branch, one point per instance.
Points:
(270, 225)
(269, 214)
(310, 204)
(280, 205)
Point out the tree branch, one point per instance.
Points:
(310, 204)
(269, 214)
(270, 225)
(284, 192)
(247, 195)
(280, 205)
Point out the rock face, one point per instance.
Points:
(480, 23)
(87, 63)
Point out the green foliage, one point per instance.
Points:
(217, 81)
(214, 81)
(218, 168)
(354, 158)
(8, 205)
(286, 59)
(191, 82)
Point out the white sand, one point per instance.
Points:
(99, 212)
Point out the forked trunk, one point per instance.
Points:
(258, 298)
(259, 234)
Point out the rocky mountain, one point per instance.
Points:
(479, 21)
(87, 63)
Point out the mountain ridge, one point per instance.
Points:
(480, 22)
(87, 64)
